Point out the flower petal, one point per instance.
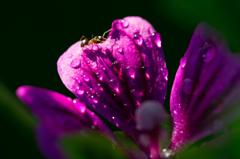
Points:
(115, 76)
(59, 115)
(205, 89)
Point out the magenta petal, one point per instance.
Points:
(116, 76)
(48, 142)
(59, 115)
(206, 88)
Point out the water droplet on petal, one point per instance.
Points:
(130, 71)
(189, 85)
(114, 84)
(208, 51)
(100, 77)
(85, 78)
(183, 61)
(157, 39)
(120, 49)
(138, 39)
(164, 73)
(95, 48)
(80, 91)
(94, 99)
(125, 23)
(76, 63)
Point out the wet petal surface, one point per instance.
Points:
(125, 70)
(206, 88)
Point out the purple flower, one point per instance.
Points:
(124, 79)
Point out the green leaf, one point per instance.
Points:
(221, 147)
(222, 15)
(92, 146)
(126, 142)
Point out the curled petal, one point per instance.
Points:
(115, 76)
(59, 115)
(206, 88)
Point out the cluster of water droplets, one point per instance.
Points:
(93, 93)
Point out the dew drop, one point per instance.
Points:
(130, 71)
(120, 49)
(189, 85)
(125, 23)
(76, 63)
(114, 84)
(208, 51)
(70, 99)
(157, 39)
(164, 73)
(100, 77)
(95, 48)
(85, 78)
(138, 39)
(94, 99)
(80, 91)
(183, 61)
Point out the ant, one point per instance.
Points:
(94, 40)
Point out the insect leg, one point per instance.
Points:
(83, 37)
(106, 32)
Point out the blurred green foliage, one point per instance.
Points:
(225, 146)
(91, 146)
(223, 15)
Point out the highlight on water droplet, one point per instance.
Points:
(80, 91)
(120, 49)
(189, 85)
(85, 78)
(138, 39)
(76, 63)
(125, 23)
(209, 51)
(183, 61)
(130, 71)
(95, 48)
(81, 108)
(114, 84)
(156, 37)
(164, 73)
(94, 99)
(100, 77)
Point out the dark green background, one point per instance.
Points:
(35, 33)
